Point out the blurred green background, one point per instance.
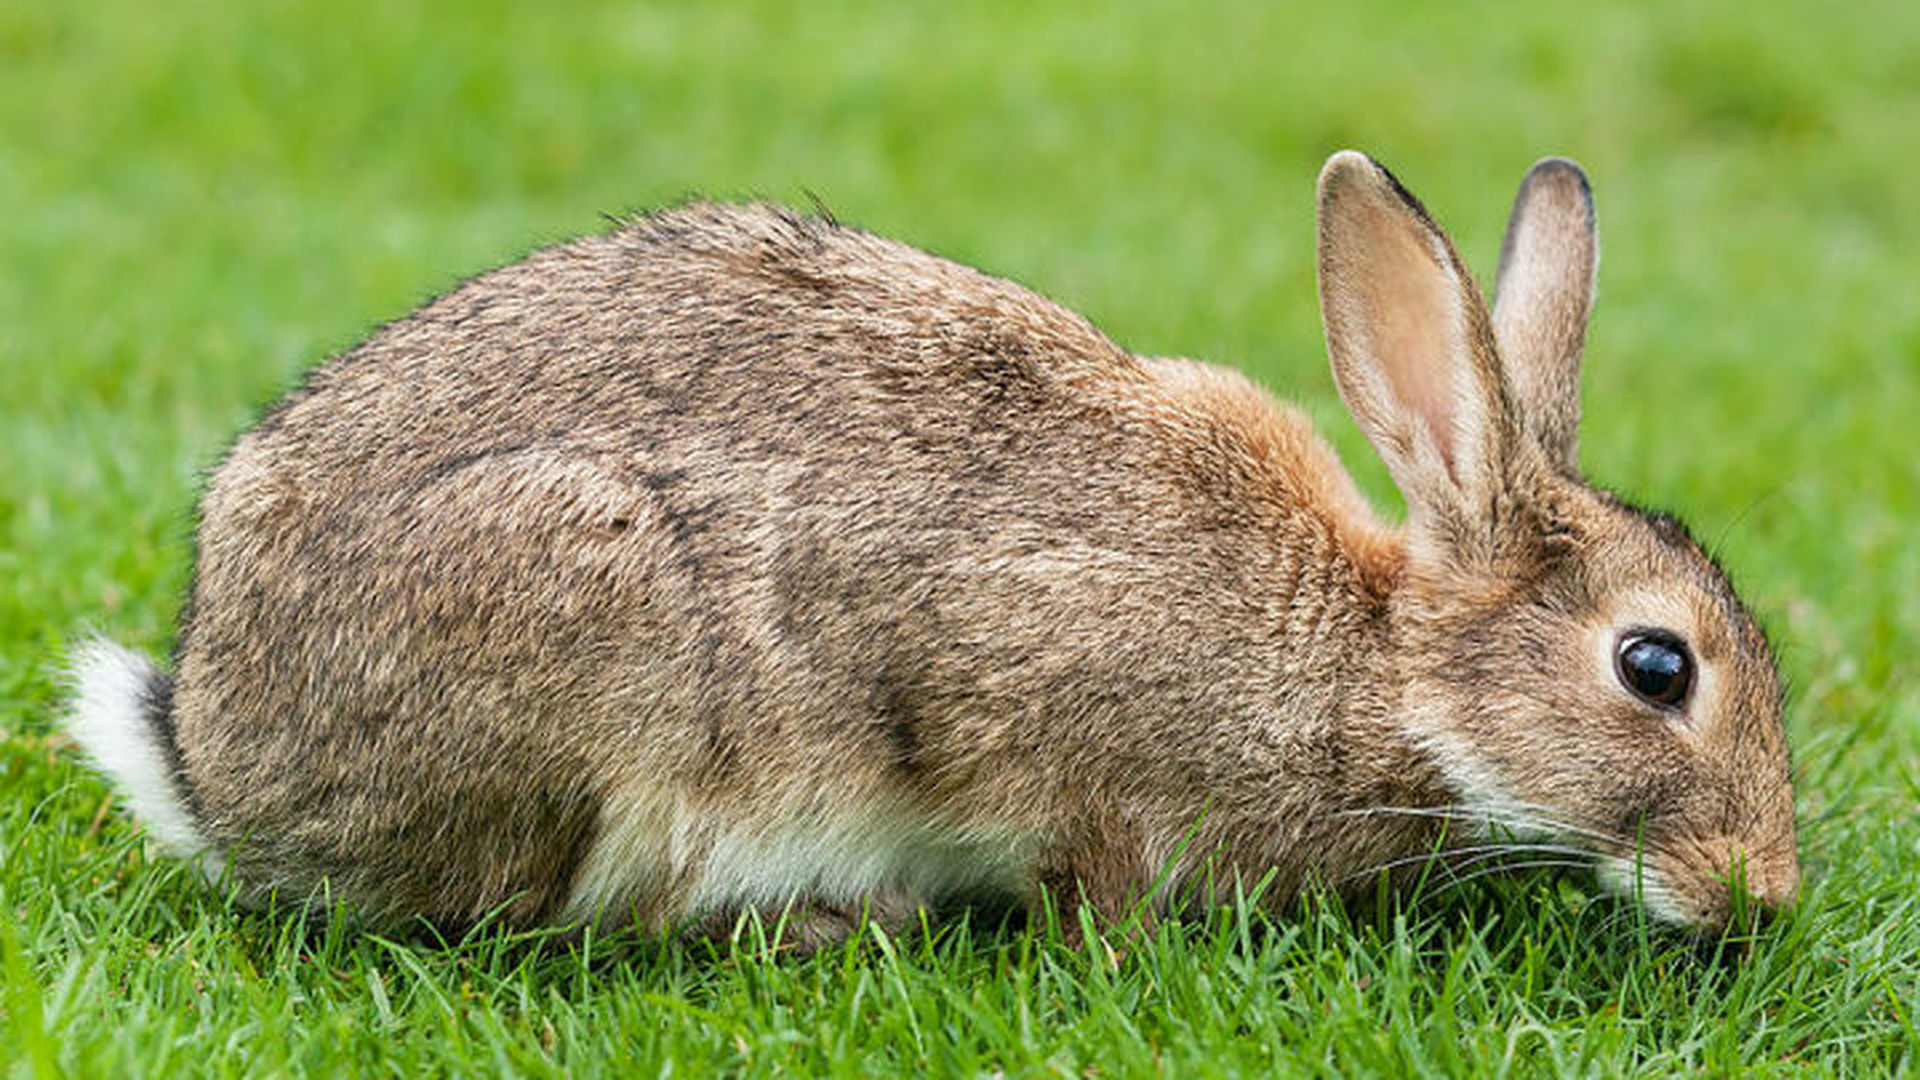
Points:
(198, 200)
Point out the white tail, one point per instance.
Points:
(110, 716)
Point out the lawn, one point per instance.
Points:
(199, 200)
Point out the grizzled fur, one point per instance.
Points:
(736, 558)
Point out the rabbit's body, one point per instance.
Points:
(735, 559)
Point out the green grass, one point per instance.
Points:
(198, 200)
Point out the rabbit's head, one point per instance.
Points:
(1574, 666)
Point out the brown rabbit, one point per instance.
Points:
(736, 559)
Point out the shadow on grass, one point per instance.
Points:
(1527, 920)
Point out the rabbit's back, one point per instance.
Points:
(759, 516)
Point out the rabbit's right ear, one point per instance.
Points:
(1413, 352)
(1541, 299)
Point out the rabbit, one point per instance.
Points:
(739, 561)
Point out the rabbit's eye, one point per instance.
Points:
(1654, 665)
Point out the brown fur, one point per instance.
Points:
(758, 523)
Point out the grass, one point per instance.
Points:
(196, 204)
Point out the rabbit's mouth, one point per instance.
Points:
(1639, 880)
(1710, 885)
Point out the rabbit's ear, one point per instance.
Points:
(1413, 351)
(1541, 299)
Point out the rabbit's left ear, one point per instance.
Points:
(1541, 299)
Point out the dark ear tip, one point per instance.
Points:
(1559, 171)
(1351, 169)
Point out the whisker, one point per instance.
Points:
(1436, 813)
(1453, 858)
(1639, 845)
(1436, 857)
(1539, 821)
(1504, 868)
(1620, 916)
(1404, 811)
(1529, 817)
(1551, 816)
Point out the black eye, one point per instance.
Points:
(1654, 664)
